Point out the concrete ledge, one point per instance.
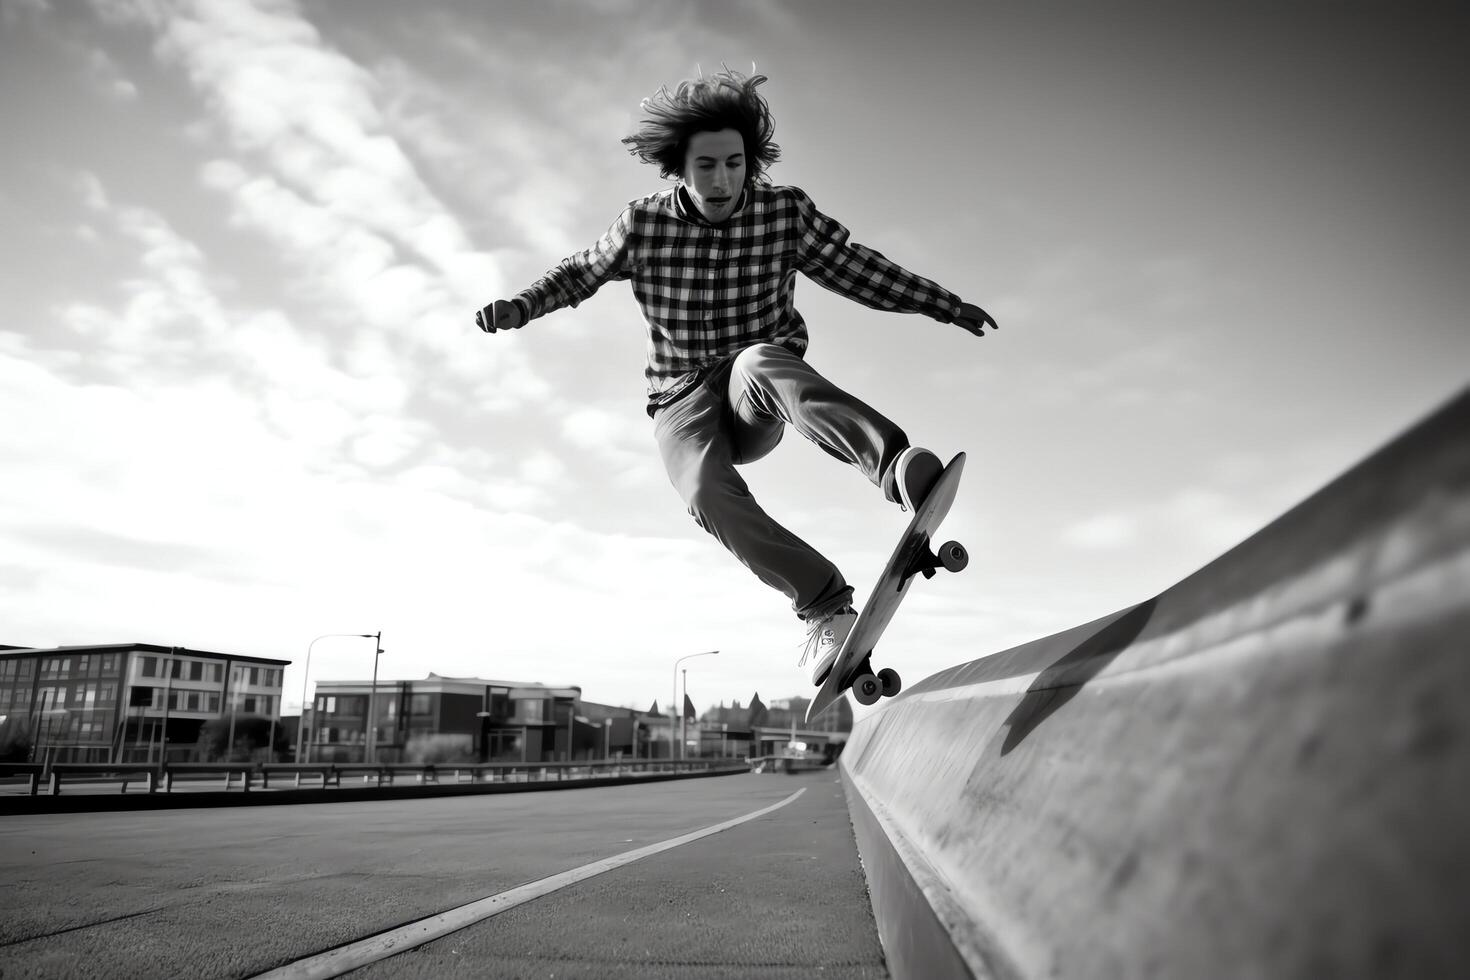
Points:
(1263, 771)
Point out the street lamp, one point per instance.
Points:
(370, 753)
(305, 674)
(673, 706)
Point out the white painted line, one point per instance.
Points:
(335, 962)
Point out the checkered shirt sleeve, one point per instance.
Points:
(862, 274)
(708, 291)
(578, 276)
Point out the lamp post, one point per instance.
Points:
(51, 717)
(673, 705)
(168, 691)
(47, 694)
(370, 753)
(233, 688)
(301, 731)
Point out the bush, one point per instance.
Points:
(15, 740)
(251, 732)
(435, 749)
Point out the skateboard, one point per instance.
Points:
(853, 667)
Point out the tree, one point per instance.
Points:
(15, 740)
(252, 732)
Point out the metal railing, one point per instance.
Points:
(247, 776)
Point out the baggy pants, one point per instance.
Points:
(737, 415)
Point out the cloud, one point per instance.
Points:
(108, 78)
(316, 171)
(13, 11)
(170, 306)
(1103, 532)
(1205, 520)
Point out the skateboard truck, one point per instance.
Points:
(952, 557)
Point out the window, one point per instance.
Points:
(150, 667)
(420, 704)
(83, 665)
(213, 703)
(173, 700)
(176, 669)
(216, 673)
(250, 705)
(192, 704)
(105, 693)
(109, 663)
(196, 670)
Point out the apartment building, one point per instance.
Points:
(464, 717)
(128, 702)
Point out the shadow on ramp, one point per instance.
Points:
(1061, 682)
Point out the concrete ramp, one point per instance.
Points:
(1262, 772)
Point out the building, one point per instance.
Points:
(128, 702)
(627, 733)
(450, 719)
(764, 730)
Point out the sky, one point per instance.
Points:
(243, 403)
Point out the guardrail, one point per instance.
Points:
(784, 763)
(244, 776)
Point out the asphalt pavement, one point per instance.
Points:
(226, 892)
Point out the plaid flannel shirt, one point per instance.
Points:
(708, 291)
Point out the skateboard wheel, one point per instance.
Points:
(953, 556)
(866, 689)
(889, 681)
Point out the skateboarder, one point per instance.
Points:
(712, 261)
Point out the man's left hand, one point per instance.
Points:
(975, 320)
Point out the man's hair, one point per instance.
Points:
(725, 100)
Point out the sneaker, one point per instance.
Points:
(824, 639)
(916, 472)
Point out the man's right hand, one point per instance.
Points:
(499, 315)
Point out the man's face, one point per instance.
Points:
(714, 172)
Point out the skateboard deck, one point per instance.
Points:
(853, 667)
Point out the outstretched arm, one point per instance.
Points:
(860, 273)
(574, 279)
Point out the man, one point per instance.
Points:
(713, 262)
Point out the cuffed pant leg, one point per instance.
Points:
(769, 382)
(695, 443)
